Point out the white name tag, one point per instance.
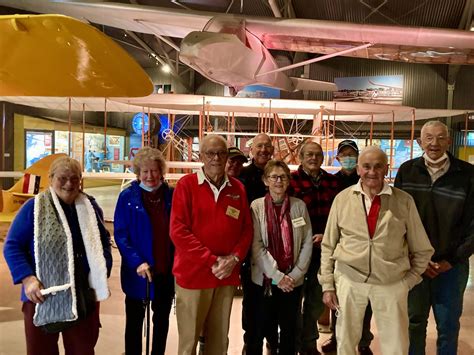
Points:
(298, 222)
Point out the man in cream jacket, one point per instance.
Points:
(374, 249)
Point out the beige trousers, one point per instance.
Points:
(390, 310)
(196, 309)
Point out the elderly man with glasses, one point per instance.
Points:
(443, 189)
(211, 228)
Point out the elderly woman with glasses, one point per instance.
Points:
(281, 252)
(59, 250)
(141, 230)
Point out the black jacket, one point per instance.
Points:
(347, 180)
(251, 176)
(445, 207)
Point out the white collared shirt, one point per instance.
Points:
(386, 190)
(203, 178)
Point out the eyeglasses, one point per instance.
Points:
(64, 179)
(430, 139)
(221, 154)
(275, 178)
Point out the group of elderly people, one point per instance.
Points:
(296, 235)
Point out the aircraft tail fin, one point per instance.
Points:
(33, 181)
(309, 84)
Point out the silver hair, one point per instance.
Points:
(434, 123)
(373, 149)
(208, 138)
(305, 145)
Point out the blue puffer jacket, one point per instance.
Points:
(133, 236)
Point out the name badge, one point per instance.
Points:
(232, 212)
(298, 222)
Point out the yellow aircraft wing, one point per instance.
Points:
(55, 55)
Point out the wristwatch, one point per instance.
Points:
(236, 258)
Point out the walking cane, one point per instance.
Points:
(147, 326)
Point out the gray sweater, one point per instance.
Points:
(263, 262)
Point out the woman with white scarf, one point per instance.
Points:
(59, 250)
(281, 253)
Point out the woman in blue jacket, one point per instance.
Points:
(141, 230)
(59, 250)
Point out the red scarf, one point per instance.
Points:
(280, 233)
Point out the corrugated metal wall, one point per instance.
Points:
(157, 76)
(464, 88)
(202, 86)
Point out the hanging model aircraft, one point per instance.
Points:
(233, 50)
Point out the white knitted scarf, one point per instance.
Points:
(66, 307)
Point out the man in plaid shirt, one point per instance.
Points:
(317, 189)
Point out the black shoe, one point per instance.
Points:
(329, 345)
(365, 350)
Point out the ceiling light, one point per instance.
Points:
(166, 68)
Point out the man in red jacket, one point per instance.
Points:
(211, 229)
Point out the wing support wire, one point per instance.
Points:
(317, 59)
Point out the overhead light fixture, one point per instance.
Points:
(166, 68)
(472, 25)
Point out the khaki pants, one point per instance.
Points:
(209, 308)
(389, 306)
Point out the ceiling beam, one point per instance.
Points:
(160, 60)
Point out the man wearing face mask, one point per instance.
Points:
(347, 156)
(443, 189)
